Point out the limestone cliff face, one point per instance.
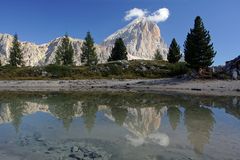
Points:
(141, 37)
(8, 112)
(37, 55)
(142, 121)
(32, 54)
(5, 114)
(144, 124)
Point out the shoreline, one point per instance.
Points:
(199, 87)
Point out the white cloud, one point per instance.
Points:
(134, 13)
(160, 15)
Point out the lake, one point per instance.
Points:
(118, 126)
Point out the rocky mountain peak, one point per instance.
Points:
(141, 37)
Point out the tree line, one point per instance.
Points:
(198, 50)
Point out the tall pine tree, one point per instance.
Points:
(174, 54)
(16, 58)
(65, 52)
(158, 55)
(199, 51)
(89, 55)
(119, 51)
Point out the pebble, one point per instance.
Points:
(74, 149)
(40, 139)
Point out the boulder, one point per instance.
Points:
(233, 68)
(234, 74)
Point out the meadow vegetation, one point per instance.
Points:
(116, 69)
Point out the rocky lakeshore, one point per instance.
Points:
(50, 150)
(204, 87)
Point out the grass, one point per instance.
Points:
(118, 70)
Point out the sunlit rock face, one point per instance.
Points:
(33, 54)
(44, 54)
(77, 45)
(141, 37)
(9, 112)
(142, 121)
(52, 48)
(5, 114)
(144, 124)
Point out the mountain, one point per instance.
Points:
(35, 55)
(32, 54)
(141, 37)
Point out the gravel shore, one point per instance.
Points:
(205, 87)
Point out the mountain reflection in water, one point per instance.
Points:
(140, 114)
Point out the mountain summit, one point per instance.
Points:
(141, 37)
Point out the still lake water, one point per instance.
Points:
(118, 126)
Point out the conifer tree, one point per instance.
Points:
(89, 55)
(199, 51)
(16, 58)
(174, 54)
(157, 55)
(119, 51)
(65, 52)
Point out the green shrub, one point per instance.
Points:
(59, 71)
(120, 70)
(178, 69)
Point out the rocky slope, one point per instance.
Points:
(32, 54)
(35, 55)
(141, 37)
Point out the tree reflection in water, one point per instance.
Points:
(199, 122)
(174, 116)
(140, 114)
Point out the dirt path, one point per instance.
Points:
(207, 87)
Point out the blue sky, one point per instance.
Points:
(40, 21)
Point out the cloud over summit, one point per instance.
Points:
(134, 13)
(160, 15)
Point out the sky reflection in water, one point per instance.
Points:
(118, 126)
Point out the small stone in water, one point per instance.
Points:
(40, 139)
(50, 149)
(74, 156)
(74, 149)
(94, 155)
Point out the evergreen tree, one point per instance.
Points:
(174, 116)
(89, 114)
(158, 55)
(119, 51)
(199, 51)
(119, 114)
(174, 52)
(65, 52)
(16, 58)
(196, 117)
(16, 108)
(89, 55)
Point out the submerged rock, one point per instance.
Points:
(62, 150)
(74, 149)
